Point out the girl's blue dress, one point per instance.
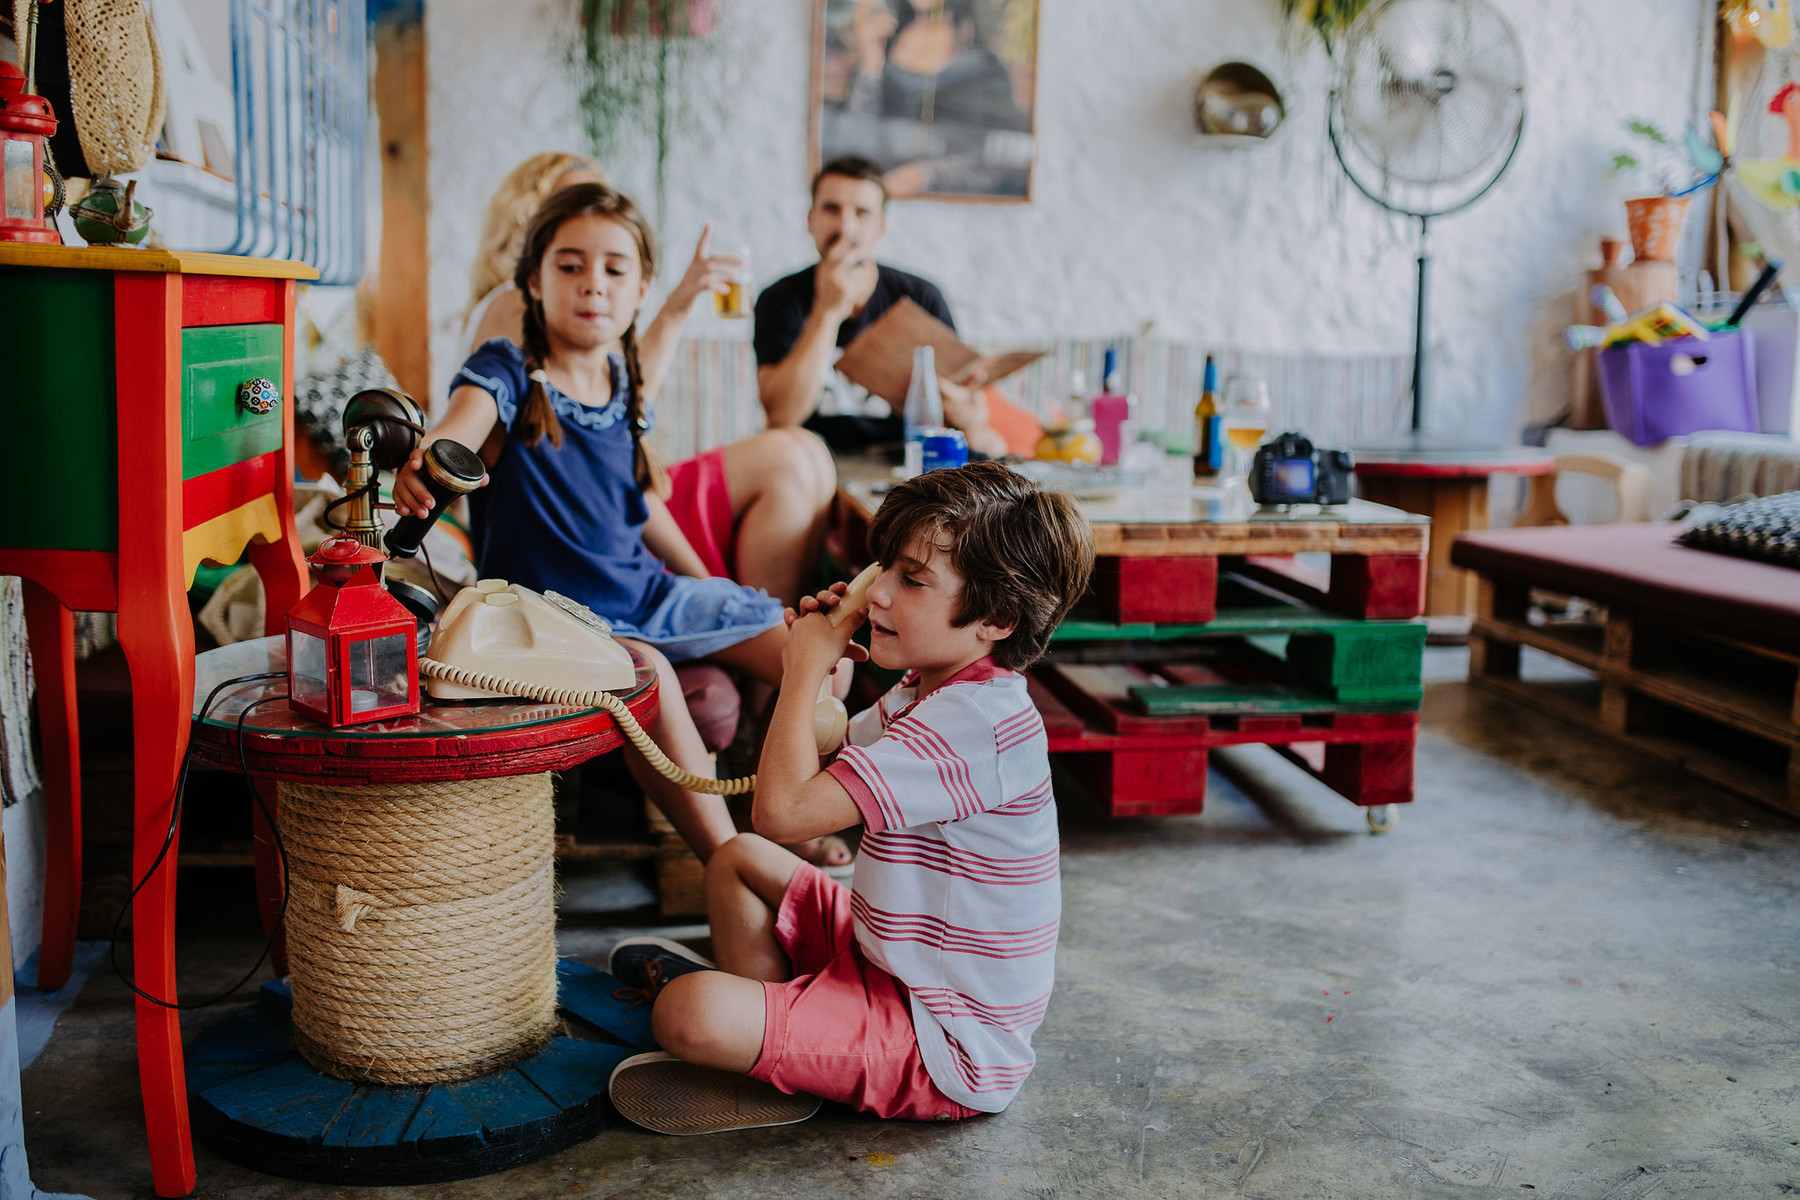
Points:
(571, 520)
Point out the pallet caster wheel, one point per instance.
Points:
(1382, 818)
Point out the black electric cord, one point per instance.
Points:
(431, 571)
(371, 488)
(169, 840)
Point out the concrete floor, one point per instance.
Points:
(1568, 973)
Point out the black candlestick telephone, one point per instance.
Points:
(499, 640)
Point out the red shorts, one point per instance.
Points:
(700, 502)
(842, 1029)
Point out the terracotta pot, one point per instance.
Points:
(1655, 223)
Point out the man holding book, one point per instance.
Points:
(803, 320)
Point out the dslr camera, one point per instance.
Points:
(1289, 471)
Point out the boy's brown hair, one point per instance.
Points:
(1025, 554)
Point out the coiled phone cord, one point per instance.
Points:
(431, 668)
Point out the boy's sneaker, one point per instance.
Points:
(646, 964)
(662, 1093)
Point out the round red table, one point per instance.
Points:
(252, 1097)
(1451, 487)
(459, 739)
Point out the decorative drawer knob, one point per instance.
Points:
(259, 396)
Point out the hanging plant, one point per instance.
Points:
(1328, 18)
(631, 64)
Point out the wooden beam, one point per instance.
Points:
(400, 316)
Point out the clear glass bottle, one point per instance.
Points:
(924, 408)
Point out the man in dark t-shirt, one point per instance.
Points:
(803, 320)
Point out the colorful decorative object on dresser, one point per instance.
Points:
(108, 214)
(29, 186)
(122, 374)
(353, 650)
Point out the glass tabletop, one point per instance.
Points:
(1108, 495)
(274, 716)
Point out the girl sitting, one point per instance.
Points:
(571, 502)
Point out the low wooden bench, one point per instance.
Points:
(1691, 657)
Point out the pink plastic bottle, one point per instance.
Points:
(1110, 410)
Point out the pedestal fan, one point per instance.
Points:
(1426, 118)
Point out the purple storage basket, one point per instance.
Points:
(1647, 401)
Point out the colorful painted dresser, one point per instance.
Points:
(145, 400)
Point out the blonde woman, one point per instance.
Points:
(753, 511)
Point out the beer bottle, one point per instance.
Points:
(1209, 436)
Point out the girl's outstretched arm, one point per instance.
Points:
(668, 542)
(706, 272)
(469, 418)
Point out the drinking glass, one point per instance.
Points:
(1245, 418)
(734, 301)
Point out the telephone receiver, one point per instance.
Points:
(500, 640)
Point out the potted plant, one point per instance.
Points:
(1655, 219)
(633, 62)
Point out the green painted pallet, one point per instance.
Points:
(1202, 700)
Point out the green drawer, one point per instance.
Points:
(215, 361)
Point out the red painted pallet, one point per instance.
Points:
(1157, 766)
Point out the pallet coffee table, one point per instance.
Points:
(1211, 623)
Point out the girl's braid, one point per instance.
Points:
(647, 464)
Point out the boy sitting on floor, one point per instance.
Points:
(914, 992)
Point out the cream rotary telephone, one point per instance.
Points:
(498, 640)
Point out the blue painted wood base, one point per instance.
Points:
(252, 1097)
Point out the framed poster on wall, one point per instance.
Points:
(939, 93)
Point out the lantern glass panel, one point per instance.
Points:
(378, 675)
(21, 178)
(306, 662)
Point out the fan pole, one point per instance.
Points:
(1418, 378)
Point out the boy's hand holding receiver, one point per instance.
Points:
(814, 644)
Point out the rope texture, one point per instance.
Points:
(431, 668)
(421, 926)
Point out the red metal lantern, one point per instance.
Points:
(353, 650)
(25, 121)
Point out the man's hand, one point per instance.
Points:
(844, 280)
(814, 645)
(965, 408)
(705, 273)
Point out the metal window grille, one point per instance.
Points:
(300, 76)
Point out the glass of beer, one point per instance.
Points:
(734, 300)
(1245, 418)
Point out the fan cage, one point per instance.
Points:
(1431, 105)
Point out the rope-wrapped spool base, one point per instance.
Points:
(421, 927)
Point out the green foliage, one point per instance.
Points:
(631, 63)
(1645, 129)
(1662, 158)
(1327, 18)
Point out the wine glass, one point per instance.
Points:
(1245, 418)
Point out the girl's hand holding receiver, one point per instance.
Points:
(411, 497)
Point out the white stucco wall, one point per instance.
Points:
(1133, 219)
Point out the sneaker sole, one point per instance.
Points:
(674, 948)
(664, 1094)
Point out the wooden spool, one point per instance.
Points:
(421, 926)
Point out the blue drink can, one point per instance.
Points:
(943, 448)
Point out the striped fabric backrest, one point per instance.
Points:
(710, 399)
